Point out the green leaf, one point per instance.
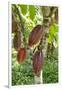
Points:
(32, 12)
(53, 33)
(53, 29)
(23, 9)
(26, 33)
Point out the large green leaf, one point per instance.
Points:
(23, 9)
(32, 11)
(53, 33)
(53, 29)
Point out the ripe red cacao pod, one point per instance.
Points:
(17, 40)
(21, 55)
(35, 35)
(38, 62)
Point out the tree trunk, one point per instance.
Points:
(46, 24)
(38, 80)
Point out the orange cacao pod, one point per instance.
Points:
(35, 35)
(21, 55)
(17, 40)
(38, 62)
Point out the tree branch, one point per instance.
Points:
(22, 24)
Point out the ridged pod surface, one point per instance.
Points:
(35, 35)
(38, 62)
(21, 55)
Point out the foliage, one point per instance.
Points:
(50, 69)
(22, 73)
(53, 35)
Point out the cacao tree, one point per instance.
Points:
(35, 31)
